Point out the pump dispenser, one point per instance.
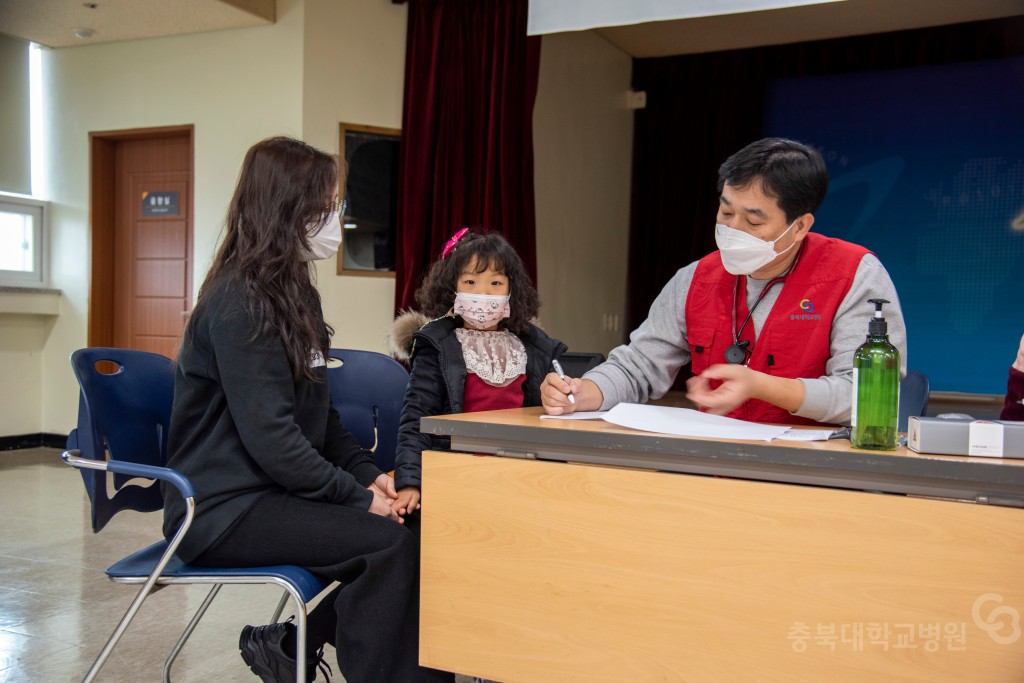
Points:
(876, 387)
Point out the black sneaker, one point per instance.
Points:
(263, 649)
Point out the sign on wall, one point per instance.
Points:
(159, 203)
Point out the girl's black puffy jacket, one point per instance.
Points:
(437, 386)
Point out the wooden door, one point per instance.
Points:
(144, 263)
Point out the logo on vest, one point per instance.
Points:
(807, 306)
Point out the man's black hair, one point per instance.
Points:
(791, 173)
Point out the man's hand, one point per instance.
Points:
(407, 502)
(554, 395)
(1019, 363)
(738, 385)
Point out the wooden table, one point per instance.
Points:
(714, 560)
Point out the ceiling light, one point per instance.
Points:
(83, 33)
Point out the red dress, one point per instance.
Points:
(482, 396)
(495, 369)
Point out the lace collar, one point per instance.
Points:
(496, 357)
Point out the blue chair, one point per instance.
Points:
(914, 390)
(367, 390)
(120, 445)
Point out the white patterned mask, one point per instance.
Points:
(481, 311)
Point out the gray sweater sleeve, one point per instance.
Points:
(828, 398)
(646, 367)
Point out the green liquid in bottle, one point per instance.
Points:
(876, 388)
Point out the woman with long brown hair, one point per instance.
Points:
(278, 479)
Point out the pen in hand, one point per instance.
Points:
(561, 373)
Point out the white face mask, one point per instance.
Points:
(742, 253)
(481, 311)
(325, 242)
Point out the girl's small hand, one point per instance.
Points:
(384, 485)
(381, 505)
(554, 394)
(408, 501)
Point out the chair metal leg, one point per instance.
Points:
(147, 587)
(300, 646)
(300, 629)
(122, 626)
(300, 634)
(187, 633)
(280, 608)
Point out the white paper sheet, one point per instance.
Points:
(687, 422)
(805, 435)
(582, 415)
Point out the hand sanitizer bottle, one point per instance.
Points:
(876, 387)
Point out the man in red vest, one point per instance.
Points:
(769, 322)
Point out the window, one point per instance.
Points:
(21, 241)
(371, 158)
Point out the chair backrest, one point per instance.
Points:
(576, 363)
(124, 411)
(914, 390)
(367, 390)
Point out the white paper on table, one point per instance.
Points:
(805, 435)
(687, 422)
(582, 415)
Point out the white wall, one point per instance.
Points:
(22, 338)
(323, 62)
(235, 87)
(583, 141)
(354, 72)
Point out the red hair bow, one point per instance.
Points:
(450, 244)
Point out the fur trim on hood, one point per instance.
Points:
(400, 340)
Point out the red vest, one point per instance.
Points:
(795, 339)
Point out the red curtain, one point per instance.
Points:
(466, 155)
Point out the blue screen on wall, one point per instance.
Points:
(927, 171)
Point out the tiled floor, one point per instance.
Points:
(57, 607)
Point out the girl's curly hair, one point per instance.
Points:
(436, 295)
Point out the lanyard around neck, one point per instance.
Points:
(740, 351)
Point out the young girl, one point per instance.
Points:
(482, 353)
(278, 479)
